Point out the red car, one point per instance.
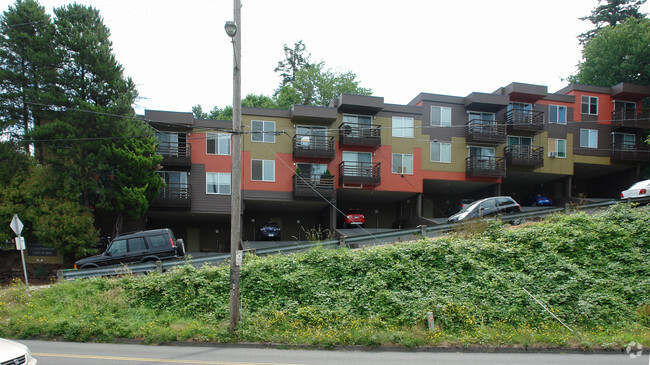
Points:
(353, 218)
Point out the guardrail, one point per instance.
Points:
(348, 242)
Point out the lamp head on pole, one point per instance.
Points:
(231, 28)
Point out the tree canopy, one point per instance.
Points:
(303, 82)
(619, 53)
(611, 13)
(63, 92)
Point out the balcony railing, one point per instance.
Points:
(524, 155)
(630, 118)
(359, 173)
(313, 186)
(622, 151)
(485, 166)
(175, 154)
(360, 134)
(174, 196)
(524, 120)
(313, 146)
(486, 131)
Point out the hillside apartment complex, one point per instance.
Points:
(401, 164)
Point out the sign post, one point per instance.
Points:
(17, 226)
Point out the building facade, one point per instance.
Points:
(402, 165)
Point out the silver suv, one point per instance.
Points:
(143, 246)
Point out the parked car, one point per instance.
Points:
(457, 206)
(538, 200)
(638, 190)
(353, 218)
(487, 208)
(151, 245)
(15, 353)
(268, 231)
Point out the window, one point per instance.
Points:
(117, 247)
(480, 117)
(557, 147)
(589, 105)
(217, 143)
(171, 144)
(623, 141)
(357, 163)
(263, 131)
(174, 178)
(309, 170)
(441, 116)
(263, 170)
(517, 140)
(588, 138)
(137, 244)
(360, 120)
(217, 183)
(441, 152)
(403, 127)
(159, 241)
(481, 152)
(402, 163)
(557, 114)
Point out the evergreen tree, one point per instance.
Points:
(28, 68)
(611, 13)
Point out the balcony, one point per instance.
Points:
(524, 155)
(360, 135)
(359, 173)
(175, 154)
(524, 120)
(630, 118)
(485, 131)
(485, 166)
(313, 186)
(313, 146)
(173, 196)
(622, 151)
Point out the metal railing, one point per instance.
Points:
(486, 131)
(622, 151)
(312, 185)
(344, 242)
(360, 134)
(630, 117)
(360, 173)
(524, 120)
(485, 166)
(524, 155)
(313, 146)
(174, 149)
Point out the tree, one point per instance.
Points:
(51, 215)
(611, 13)
(251, 100)
(314, 85)
(28, 67)
(96, 134)
(294, 60)
(619, 53)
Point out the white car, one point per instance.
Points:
(638, 190)
(15, 353)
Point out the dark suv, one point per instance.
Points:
(152, 245)
(487, 208)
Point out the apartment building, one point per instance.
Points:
(402, 165)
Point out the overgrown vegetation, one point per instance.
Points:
(591, 271)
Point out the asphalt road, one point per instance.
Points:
(59, 353)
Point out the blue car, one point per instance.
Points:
(539, 200)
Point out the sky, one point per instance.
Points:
(179, 55)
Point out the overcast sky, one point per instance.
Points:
(179, 55)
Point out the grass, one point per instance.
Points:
(590, 271)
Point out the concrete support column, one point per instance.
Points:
(418, 205)
(568, 183)
(497, 189)
(332, 217)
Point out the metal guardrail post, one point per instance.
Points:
(342, 241)
(423, 230)
(567, 208)
(159, 268)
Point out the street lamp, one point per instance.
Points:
(233, 29)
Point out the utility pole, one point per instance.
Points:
(233, 29)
